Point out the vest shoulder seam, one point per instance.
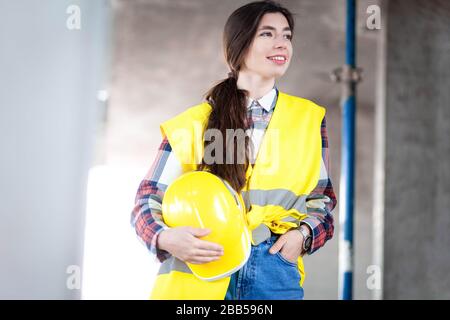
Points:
(196, 112)
(306, 102)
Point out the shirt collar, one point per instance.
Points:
(265, 101)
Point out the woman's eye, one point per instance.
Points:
(288, 36)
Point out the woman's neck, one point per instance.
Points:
(256, 85)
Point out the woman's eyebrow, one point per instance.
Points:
(273, 28)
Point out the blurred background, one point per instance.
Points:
(84, 85)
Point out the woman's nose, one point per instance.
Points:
(280, 42)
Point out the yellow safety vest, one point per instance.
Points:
(286, 170)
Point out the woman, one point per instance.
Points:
(285, 185)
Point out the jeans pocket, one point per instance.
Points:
(286, 261)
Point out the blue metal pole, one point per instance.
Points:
(350, 57)
(349, 81)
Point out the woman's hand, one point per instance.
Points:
(183, 243)
(290, 244)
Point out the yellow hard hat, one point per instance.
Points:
(201, 199)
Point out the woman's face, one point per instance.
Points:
(270, 53)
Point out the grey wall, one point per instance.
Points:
(168, 53)
(415, 106)
(48, 110)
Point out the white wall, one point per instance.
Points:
(48, 112)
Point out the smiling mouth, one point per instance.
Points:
(279, 60)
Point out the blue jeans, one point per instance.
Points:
(266, 276)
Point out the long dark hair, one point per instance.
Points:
(227, 101)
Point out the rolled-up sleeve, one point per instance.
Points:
(321, 201)
(146, 216)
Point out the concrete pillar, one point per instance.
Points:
(49, 78)
(412, 165)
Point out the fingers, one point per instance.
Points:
(198, 232)
(207, 253)
(202, 252)
(201, 260)
(207, 245)
(197, 251)
(203, 244)
(277, 246)
(203, 256)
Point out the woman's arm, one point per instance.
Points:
(146, 216)
(321, 201)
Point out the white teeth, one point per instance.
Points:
(277, 58)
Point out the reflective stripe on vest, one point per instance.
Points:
(278, 197)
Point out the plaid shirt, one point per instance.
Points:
(146, 216)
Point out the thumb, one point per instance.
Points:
(277, 246)
(199, 232)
